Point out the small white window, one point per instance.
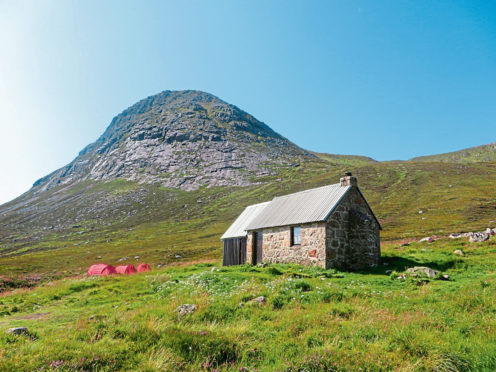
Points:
(296, 235)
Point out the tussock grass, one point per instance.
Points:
(313, 319)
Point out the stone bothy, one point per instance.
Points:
(331, 226)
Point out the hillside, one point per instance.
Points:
(476, 154)
(349, 160)
(308, 319)
(172, 172)
(65, 229)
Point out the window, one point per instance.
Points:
(296, 235)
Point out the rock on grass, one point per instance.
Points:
(423, 271)
(186, 309)
(18, 331)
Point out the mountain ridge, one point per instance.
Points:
(183, 139)
(481, 153)
(237, 163)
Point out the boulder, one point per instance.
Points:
(479, 237)
(459, 252)
(261, 300)
(455, 236)
(186, 309)
(426, 239)
(18, 331)
(422, 271)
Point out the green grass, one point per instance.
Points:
(313, 320)
(471, 155)
(347, 160)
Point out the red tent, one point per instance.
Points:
(126, 269)
(101, 269)
(143, 267)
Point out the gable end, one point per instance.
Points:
(364, 200)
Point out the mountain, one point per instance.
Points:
(476, 154)
(184, 139)
(172, 172)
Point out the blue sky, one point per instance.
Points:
(387, 79)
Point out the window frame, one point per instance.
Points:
(292, 236)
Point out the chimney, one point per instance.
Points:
(348, 180)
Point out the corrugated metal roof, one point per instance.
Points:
(238, 228)
(302, 207)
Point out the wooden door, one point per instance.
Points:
(234, 251)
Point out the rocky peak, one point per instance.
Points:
(182, 139)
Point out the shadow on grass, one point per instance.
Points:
(401, 264)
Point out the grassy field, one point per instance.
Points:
(312, 320)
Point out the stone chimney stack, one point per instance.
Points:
(348, 180)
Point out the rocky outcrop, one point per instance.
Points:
(422, 271)
(478, 237)
(182, 139)
(186, 309)
(426, 239)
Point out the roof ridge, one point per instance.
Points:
(305, 191)
(254, 205)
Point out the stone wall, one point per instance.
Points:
(249, 248)
(352, 235)
(277, 245)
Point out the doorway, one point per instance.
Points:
(257, 247)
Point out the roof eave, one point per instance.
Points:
(232, 237)
(290, 224)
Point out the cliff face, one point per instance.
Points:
(182, 139)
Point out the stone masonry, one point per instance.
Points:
(249, 248)
(277, 245)
(352, 235)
